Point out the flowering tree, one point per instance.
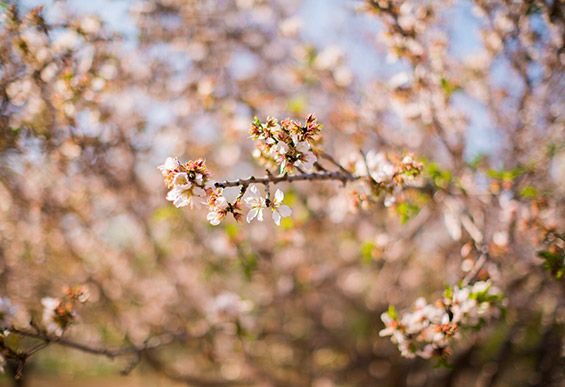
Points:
(373, 213)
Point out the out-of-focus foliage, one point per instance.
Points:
(91, 250)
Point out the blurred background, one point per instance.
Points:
(96, 94)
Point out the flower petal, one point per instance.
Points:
(285, 211)
(279, 196)
(277, 217)
(252, 214)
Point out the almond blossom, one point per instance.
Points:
(256, 202)
(428, 329)
(279, 210)
(57, 316)
(184, 180)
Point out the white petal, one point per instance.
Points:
(279, 196)
(213, 218)
(285, 211)
(252, 214)
(302, 147)
(277, 217)
(260, 214)
(181, 179)
(182, 201)
(198, 191)
(172, 194)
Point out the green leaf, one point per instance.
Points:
(407, 211)
(257, 122)
(440, 177)
(554, 262)
(297, 105)
(231, 229)
(392, 312)
(367, 249)
(529, 192)
(449, 87)
(166, 212)
(448, 292)
(476, 161)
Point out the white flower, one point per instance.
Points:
(7, 312)
(169, 165)
(306, 158)
(180, 195)
(218, 211)
(279, 210)
(380, 168)
(2, 363)
(256, 203)
(50, 306)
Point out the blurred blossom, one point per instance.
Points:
(7, 312)
(228, 307)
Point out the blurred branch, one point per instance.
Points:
(110, 353)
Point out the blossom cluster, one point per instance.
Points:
(185, 181)
(428, 329)
(190, 180)
(288, 145)
(257, 204)
(60, 313)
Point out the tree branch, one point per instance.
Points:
(110, 353)
(338, 176)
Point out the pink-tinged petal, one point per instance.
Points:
(285, 211)
(277, 218)
(302, 147)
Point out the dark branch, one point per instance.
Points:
(338, 176)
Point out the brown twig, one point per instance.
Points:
(265, 180)
(110, 353)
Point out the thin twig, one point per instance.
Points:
(332, 160)
(475, 270)
(314, 176)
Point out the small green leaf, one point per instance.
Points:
(297, 105)
(367, 249)
(392, 312)
(449, 87)
(231, 229)
(407, 211)
(529, 192)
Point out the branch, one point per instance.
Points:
(338, 176)
(110, 353)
